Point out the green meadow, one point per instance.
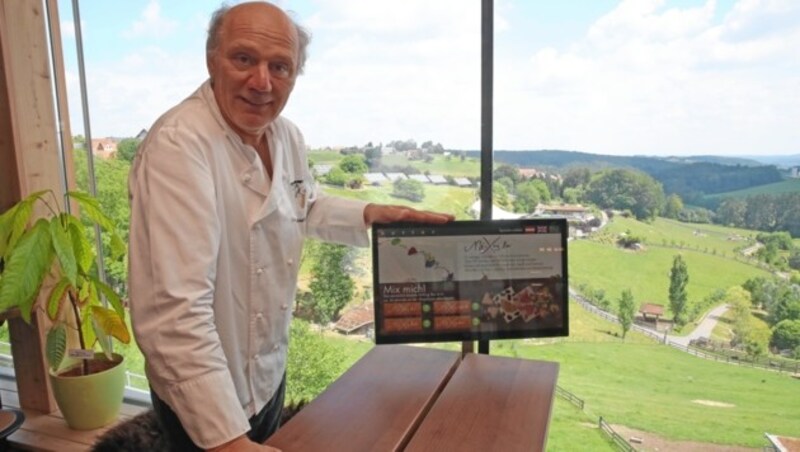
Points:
(441, 198)
(787, 186)
(441, 164)
(600, 264)
(647, 386)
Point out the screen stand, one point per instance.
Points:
(469, 347)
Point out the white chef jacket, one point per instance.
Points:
(213, 261)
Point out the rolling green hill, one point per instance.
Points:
(787, 186)
(710, 254)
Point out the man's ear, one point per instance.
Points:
(210, 65)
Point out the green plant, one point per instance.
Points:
(58, 245)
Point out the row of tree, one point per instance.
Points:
(762, 212)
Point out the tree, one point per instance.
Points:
(331, 285)
(757, 340)
(528, 197)
(126, 149)
(336, 177)
(678, 279)
(739, 301)
(500, 195)
(731, 212)
(624, 189)
(354, 164)
(673, 206)
(313, 363)
(627, 311)
(408, 189)
(786, 335)
(511, 172)
(373, 156)
(577, 178)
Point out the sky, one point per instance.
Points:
(630, 77)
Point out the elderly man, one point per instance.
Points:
(221, 201)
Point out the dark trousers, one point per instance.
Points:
(262, 425)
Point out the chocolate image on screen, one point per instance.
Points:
(470, 280)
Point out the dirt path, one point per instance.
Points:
(653, 443)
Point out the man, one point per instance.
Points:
(221, 200)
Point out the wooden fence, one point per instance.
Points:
(773, 365)
(572, 398)
(619, 441)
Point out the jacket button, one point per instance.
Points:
(247, 177)
(275, 347)
(290, 262)
(259, 270)
(284, 306)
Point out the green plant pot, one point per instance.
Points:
(90, 401)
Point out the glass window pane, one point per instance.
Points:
(389, 105)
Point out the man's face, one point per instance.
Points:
(254, 67)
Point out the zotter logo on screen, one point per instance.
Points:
(486, 245)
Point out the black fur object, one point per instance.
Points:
(143, 433)
(140, 433)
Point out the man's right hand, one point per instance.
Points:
(243, 444)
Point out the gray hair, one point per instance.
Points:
(214, 25)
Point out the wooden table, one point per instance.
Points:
(418, 399)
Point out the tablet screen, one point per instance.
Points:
(470, 280)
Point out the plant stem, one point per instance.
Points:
(74, 303)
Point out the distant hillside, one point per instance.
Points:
(690, 177)
(784, 161)
(787, 186)
(722, 160)
(567, 159)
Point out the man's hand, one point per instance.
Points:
(381, 213)
(243, 444)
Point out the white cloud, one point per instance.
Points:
(67, 29)
(649, 79)
(151, 23)
(130, 94)
(644, 78)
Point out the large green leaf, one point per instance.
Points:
(91, 207)
(103, 338)
(81, 247)
(6, 222)
(62, 244)
(17, 222)
(87, 328)
(56, 346)
(26, 268)
(12, 226)
(54, 301)
(111, 323)
(112, 296)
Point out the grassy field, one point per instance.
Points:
(665, 232)
(440, 164)
(647, 386)
(440, 198)
(646, 273)
(787, 186)
(659, 389)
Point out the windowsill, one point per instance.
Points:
(49, 432)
